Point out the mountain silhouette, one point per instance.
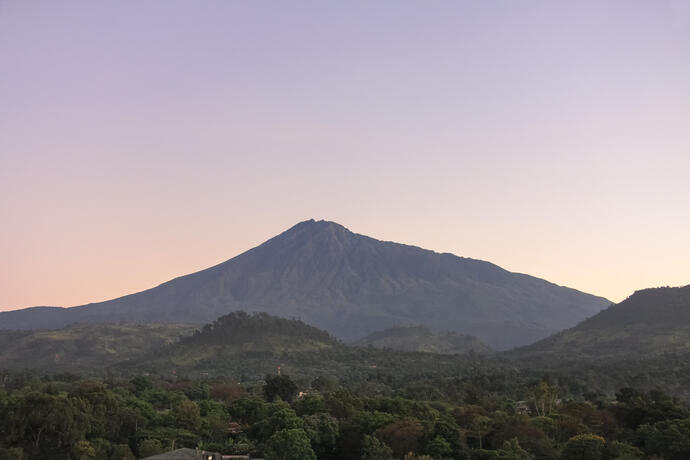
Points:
(350, 285)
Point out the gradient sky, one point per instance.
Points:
(140, 141)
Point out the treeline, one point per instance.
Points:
(478, 418)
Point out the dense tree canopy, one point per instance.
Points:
(468, 418)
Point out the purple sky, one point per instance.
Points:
(145, 140)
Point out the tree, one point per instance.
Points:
(141, 384)
(282, 418)
(324, 384)
(45, 425)
(102, 447)
(480, 425)
(450, 433)
(617, 450)
(11, 454)
(227, 392)
(402, 436)
(291, 444)
(635, 408)
(413, 456)
(511, 450)
(439, 448)
(187, 415)
(248, 410)
(374, 449)
(670, 438)
(149, 447)
(323, 431)
(83, 450)
(279, 386)
(544, 397)
(122, 452)
(309, 405)
(589, 446)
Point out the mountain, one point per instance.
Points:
(649, 324)
(420, 338)
(84, 347)
(350, 285)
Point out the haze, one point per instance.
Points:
(145, 140)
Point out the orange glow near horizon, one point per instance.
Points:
(551, 140)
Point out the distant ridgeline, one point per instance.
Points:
(647, 324)
(642, 342)
(350, 285)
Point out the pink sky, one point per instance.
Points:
(140, 141)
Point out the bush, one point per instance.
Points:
(584, 446)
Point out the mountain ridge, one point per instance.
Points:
(350, 285)
(650, 322)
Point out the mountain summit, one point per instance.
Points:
(350, 285)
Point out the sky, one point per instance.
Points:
(140, 141)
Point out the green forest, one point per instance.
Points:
(71, 417)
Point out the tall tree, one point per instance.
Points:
(279, 386)
(291, 444)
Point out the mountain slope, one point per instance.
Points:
(420, 338)
(236, 339)
(650, 323)
(350, 285)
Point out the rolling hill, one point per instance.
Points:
(648, 324)
(350, 285)
(246, 347)
(249, 346)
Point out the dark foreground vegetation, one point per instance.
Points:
(480, 417)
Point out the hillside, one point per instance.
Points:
(350, 285)
(240, 332)
(420, 338)
(249, 346)
(648, 324)
(84, 347)
(238, 345)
